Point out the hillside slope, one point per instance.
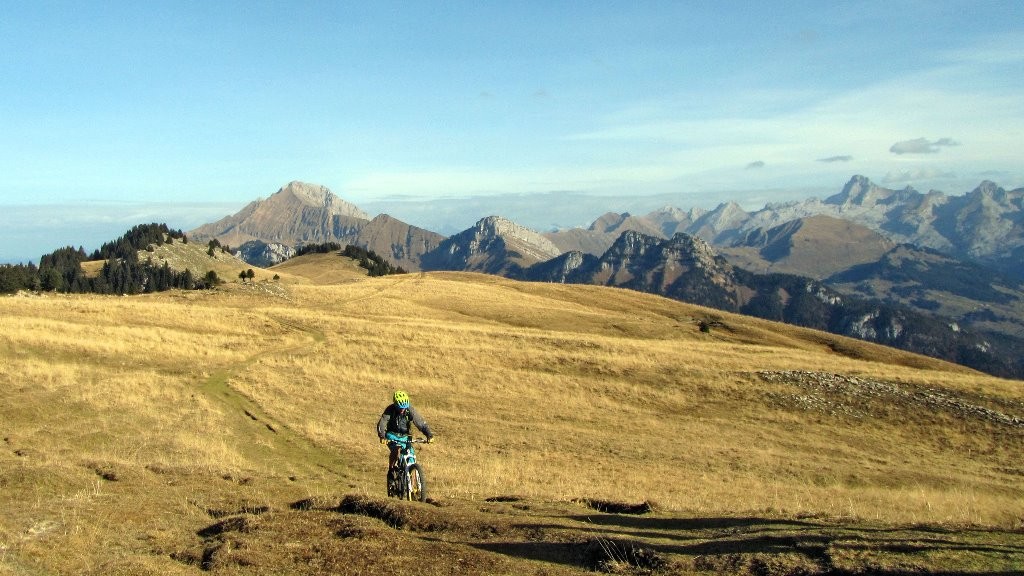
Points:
(192, 256)
(977, 298)
(816, 247)
(331, 268)
(231, 431)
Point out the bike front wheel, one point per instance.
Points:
(416, 484)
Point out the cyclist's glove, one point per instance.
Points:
(430, 440)
(383, 440)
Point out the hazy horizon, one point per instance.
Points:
(33, 230)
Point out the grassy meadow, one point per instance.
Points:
(135, 428)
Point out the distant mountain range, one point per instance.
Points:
(927, 272)
(985, 225)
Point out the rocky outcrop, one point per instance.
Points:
(569, 268)
(264, 255)
(683, 267)
(851, 396)
(494, 245)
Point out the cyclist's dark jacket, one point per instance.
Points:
(394, 421)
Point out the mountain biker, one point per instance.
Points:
(396, 419)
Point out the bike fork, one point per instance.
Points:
(405, 485)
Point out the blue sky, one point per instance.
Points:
(189, 110)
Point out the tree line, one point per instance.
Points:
(122, 273)
(375, 264)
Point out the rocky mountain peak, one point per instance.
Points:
(725, 215)
(989, 189)
(499, 227)
(301, 213)
(317, 196)
(494, 245)
(694, 248)
(720, 224)
(671, 212)
(987, 186)
(312, 194)
(608, 221)
(684, 267)
(859, 191)
(633, 243)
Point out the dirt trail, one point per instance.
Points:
(270, 438)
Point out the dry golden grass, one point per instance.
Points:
(128, 423)
(526, 386)
(330, 268)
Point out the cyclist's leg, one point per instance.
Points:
(392, 479)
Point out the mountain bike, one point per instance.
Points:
(409, 481)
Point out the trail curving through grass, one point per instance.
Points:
(268, 439)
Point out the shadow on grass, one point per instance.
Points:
(690, 524)
(744, 545)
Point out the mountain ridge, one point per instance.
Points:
(985, 224)
(816, 246)
(495, 245)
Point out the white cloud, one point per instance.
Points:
(921, 146)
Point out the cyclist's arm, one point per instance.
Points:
(382, 424)
(420, 423)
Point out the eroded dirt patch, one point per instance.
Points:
(611, 507)
(618, 556)
(224, 508)
(505, 498)
(104, 470)
(397, 514)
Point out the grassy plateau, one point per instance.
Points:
(579, 430)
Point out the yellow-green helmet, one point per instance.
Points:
(401, 399)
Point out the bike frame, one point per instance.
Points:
(407, 458)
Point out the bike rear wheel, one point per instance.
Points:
(416, 484)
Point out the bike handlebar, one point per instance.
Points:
(405, 439)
